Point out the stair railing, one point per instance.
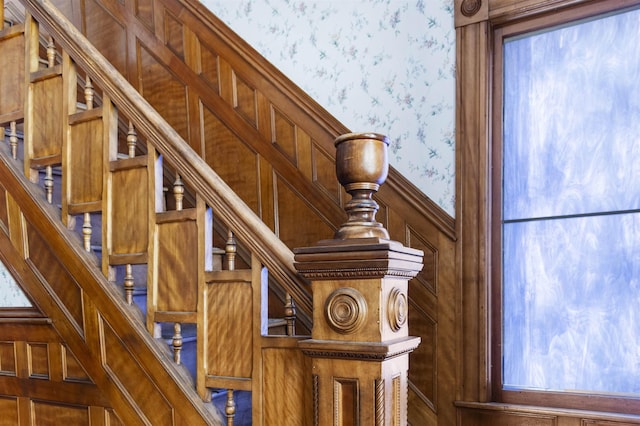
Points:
(76, 131)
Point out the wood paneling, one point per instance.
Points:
(286, 369)
(164, 91)
(232, 159)
(106, 33)
(11, 83)
(56, 277)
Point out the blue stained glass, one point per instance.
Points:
(571, 146)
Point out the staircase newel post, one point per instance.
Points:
(360, 342)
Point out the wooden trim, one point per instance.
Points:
(478, 161)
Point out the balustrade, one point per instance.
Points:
(359, 278)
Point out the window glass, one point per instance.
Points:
(11, 296)
(571, 207)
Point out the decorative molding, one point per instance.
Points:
(397, 309)
(359, 351)
(470, 7)
(346, 310)
(379, 384)
(330, 274)
(316, 401)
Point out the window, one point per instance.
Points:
(567, 206)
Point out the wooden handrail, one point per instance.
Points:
(271, 251)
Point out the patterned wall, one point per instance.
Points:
(377, 65)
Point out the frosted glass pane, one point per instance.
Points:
(571, 128)
(572, 291)
(11, 296)
(571, 146)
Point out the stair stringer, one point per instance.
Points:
(108, 337)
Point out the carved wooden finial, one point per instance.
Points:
(132, 140)
(361, 167)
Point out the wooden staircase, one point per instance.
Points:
(290, 149)
(110, 179)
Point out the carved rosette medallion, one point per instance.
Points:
(346, 310)
(470, 7)
(397, 309)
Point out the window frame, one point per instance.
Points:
(558, 399)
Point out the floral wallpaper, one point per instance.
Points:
(11, 296)
(385, 66)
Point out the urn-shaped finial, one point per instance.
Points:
(361, 166)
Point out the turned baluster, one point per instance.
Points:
(290, 315)
(51, 53)
(178, 192)
(128, 283)
(48, 183)
(87, 229)
(13, 140)
(230, 251)
(132, 140)
(230, 408)
(88, 93)
(176, 342)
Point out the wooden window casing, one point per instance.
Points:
(558, 399)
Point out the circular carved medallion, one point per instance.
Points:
(470, 7)
(346, 310)
(397, 309)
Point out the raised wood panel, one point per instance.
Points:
(61, 283)
(71, 369)
(38, 360)
(209, 67)
(12, 83)
(174, 35)
(296, 223)
(286, 369)
(324, 173)
(177, 276)
(106, 33)
(124, 369)
(45, 414)
(245, 100)
(9, 410)
(7, 358)
(164, 91)
(423, 360)
(46, 124)
(231, 158)
(85, 147)
(229, 328)
(428, 277)
(129, 210)
(144, 11)
(283, 134)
